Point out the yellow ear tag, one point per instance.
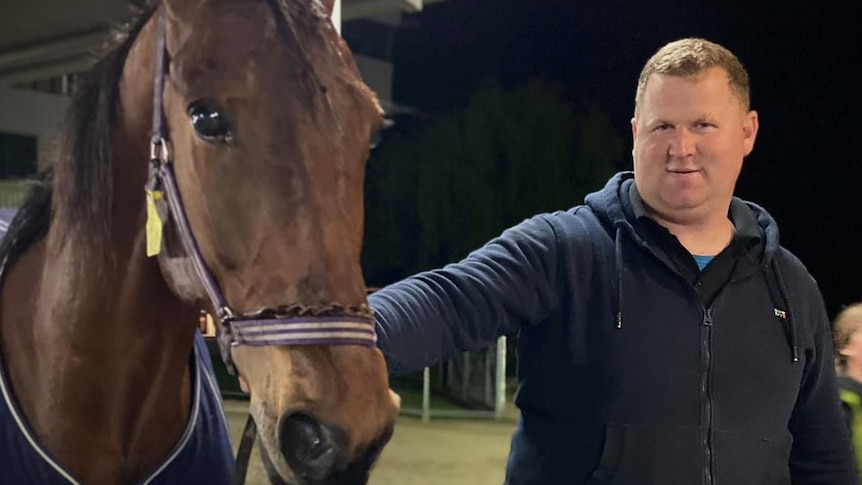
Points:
(154, 224)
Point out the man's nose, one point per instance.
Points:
(682, 144)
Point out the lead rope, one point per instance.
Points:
(244, 453)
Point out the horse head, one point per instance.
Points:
(266, 127)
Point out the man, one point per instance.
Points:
(665, 336)
(847, 331)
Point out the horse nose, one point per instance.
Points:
(308, 447)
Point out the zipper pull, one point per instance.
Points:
(707, 317)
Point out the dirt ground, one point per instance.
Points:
(442, 452)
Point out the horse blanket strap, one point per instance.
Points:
(256, 329)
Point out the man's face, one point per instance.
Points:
(853, 351)
(690, 136)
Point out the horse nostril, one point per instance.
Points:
(302, 435)
(307, 446)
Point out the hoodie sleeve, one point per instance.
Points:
(821, 450)
(467, 305)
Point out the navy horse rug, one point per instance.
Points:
(202, 456)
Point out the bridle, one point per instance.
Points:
(261, 328)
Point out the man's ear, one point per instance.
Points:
(749, 129)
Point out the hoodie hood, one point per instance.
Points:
(613, 207)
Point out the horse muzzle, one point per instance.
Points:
(317, 455)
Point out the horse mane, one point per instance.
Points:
(76, 191)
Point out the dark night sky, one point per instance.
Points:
(805, 167)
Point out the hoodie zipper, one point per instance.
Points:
(706, 395)
(707, 434)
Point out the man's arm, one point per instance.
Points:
(468, 305)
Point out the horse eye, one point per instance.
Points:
(208, 123)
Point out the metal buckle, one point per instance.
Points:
(160, 149)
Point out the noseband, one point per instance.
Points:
(261, 328)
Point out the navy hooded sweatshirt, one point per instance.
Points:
(626, 375)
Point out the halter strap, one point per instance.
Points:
(159, 81)
(256, 329)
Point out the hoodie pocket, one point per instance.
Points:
(646, 454)
(752, 460)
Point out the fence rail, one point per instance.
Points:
(489, 382)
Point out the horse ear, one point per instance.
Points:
(178, 16)
(328, 5)
(178, 9)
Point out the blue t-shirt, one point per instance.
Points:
(702, 261)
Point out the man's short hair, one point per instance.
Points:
(688, 57)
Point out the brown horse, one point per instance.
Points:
(257, 138)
